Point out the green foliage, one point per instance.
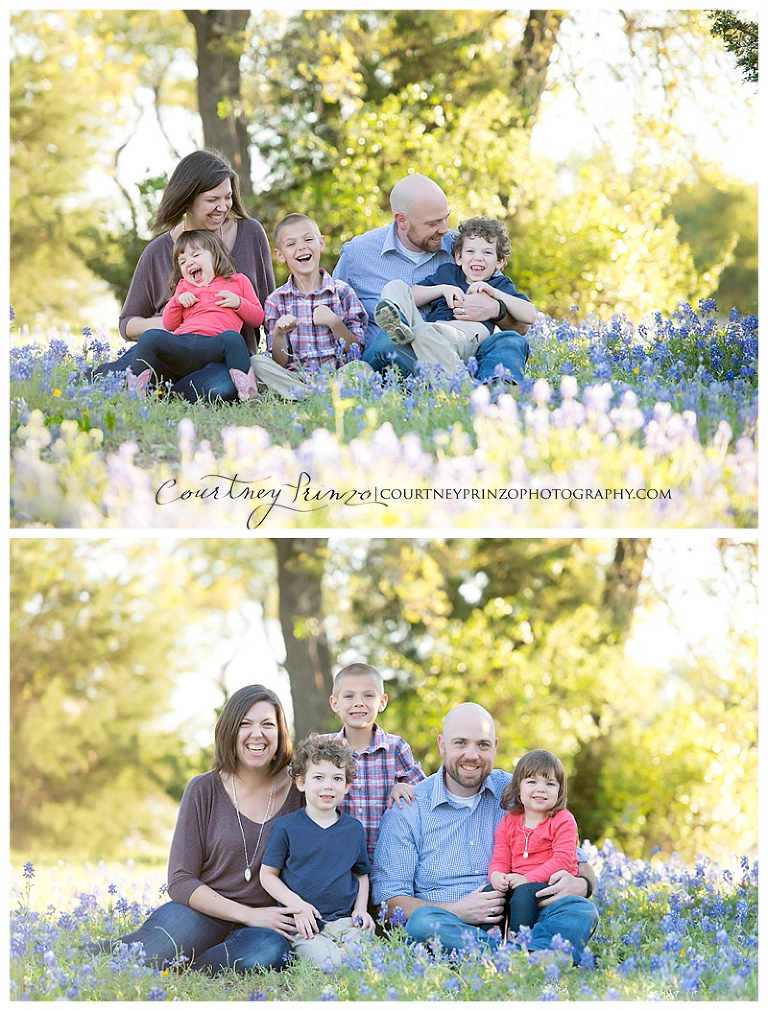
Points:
(528, 630)
(740, 37)
(57, 99)
(92, 662)
(717, 219)
(110, 249)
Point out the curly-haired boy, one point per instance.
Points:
(480, 249)
(315, 859)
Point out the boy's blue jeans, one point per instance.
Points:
(505, 348)
(572, 917)
(174, 930)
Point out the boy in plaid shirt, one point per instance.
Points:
(386, 768)
(310, 321)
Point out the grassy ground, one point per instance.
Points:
(666, 414)
(666, 932)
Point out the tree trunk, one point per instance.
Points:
(220, 39)
(300, 565)
(622, 583)
(529, 70)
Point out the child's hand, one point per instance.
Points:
(286, 323)
(400, 792)
(516, 879)
(500, 881)
(306, 924)
(323, 315)
(481, 288)
(186, 299)
(453, 296)
(228, 299)
(362, 918)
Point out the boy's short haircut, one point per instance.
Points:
(323, 748)
(490, 229)
(359, 670)
(291, 219)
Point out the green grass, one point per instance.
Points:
(666, 932)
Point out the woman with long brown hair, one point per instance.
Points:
(202, 193)
(219, 916)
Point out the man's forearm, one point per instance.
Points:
(587, 871)
(407, 903)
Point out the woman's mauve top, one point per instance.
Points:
(207, 848)
(149, 292)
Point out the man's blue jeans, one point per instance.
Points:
(505, 348)
(174, 930)
(572, 917)
(212, 382)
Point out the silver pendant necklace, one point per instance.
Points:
(526, 837)
(261, 829)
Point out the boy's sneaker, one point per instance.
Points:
(392, 322)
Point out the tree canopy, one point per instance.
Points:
(383, 92)
(535, 630)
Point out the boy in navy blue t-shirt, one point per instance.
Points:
(316, 858)
(444, 337)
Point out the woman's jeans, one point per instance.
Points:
(178, 932)
(212, 382)
(572, 917)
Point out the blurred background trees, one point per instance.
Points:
(323, 110)
(122, 653)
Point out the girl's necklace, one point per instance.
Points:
(242, 833)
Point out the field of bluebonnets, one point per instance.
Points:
(616, 424)
(666, 932)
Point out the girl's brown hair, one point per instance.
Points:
(198, 172)
(536, 761)
(230, 718)
(223, 264)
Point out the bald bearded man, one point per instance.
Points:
(410, 249)
(431, 858)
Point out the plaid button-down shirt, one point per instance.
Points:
(311, 345)
(387, 760)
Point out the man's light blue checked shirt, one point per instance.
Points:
(436, 849)
(370, 260)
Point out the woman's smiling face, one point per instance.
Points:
(196, 266)
(210, 208)
(257, 736)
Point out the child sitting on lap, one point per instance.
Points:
(203, 318)
(480, 249)
(315, 858)
(535, 838)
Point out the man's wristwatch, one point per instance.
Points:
(589, 886)
(502, 314)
